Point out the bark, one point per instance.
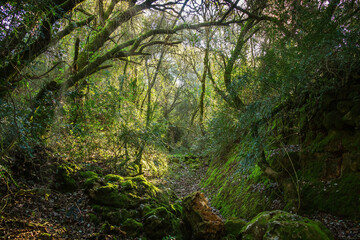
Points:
(116, 21)
(11, 70)
(242, 39)
(203, 83)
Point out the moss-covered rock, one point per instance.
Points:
(131, 227)
(240, 191)
(340, 196)
(122, 192)
(109, 195)
(113, 178)
(284, 226)
(115, 216)
(198, 216)
(65, 178)
(167, 195)
(143, 187)
(88, 174)
(176, 209)
(233, 226)
(123, 201)
(107, 228)
(159, 222)
(90, 179)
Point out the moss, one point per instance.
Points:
(107, 228)
(236, 193)
(93, 218)
(143, 187)
(91, 179)
(167, 196)
(176, 209)
(65, 178)
(233, 226)
(160, 212)
(97, 208)
(113, 178)
(339, 197)
(109, 195)
(131, 226)
(163, 221)
(283, 225)
(124, 192)
(145, 209)
(128, 185)
(88, 174)
(313, 167)
(45, 236)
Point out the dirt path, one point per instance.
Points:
(184, 177)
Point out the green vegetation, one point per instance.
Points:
(283, 225)
(105, 105)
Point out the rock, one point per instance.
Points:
(65, 178)
(131, 226)
(198, 216)
(234, 226)
(284, 226)
(107, 228)
(122, 192)
(113, 178)
(159, 223)
(91, 179)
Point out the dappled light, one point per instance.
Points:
(180, 120)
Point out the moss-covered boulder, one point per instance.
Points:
(234, 226)
(90, 179)
(117, 191)
(284, 226)
(131, 227)
(198, 217)
(107, 228)
(160, 222)
(65, 178)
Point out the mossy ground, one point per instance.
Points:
(339, 196)
(240, 192)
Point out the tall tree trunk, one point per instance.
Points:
(203, 82)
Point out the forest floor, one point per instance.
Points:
(34, 211)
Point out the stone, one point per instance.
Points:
(159, 222)
(131, 226)
(65, 178)
(284, 226)
(117, 191)
(198, 216)
(234, 226)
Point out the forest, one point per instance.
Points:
(180, 119)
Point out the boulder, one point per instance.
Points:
(159, 223)
(131, 227)
(284, 226)
(117, 191)
(65, 178)
(199, 218)
(234, 226)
